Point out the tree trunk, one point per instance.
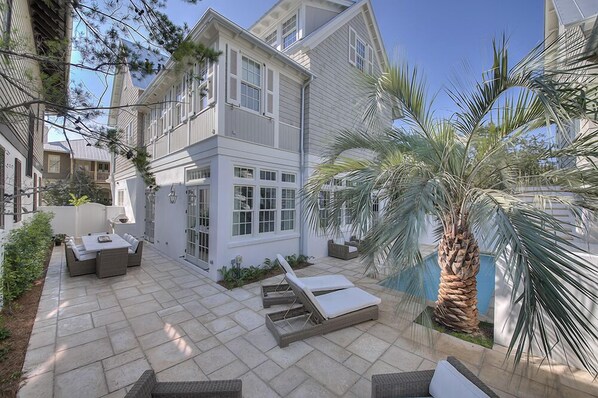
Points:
(459, 261)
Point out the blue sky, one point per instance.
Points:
(443, 38)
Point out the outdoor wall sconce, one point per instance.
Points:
(172, 195)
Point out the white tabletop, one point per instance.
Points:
(91, 244)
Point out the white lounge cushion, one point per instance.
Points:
(339, 241)
(326, 282)
(285, 265)
(345, 301)
(352, 249)
(134, 244)
(126, 236)
(448, 382)
(131, 251)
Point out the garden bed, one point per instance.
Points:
(18, 324)
(255, 274)
(485, 337)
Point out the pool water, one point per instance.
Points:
(431, 278)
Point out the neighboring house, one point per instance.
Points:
(29, 24)
(230, 165)
(62, 159)
(577, 19)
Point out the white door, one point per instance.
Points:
(198, 226)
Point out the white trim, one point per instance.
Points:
(335, 23)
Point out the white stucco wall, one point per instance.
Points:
(505, 314)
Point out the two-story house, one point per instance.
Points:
(25, 28)
(62, 159)
(230, 164)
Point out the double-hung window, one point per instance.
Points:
(267, 209)
(251, 84)
(129, 133)
(287, 213)
(289, 31)
(360, 54)
(242, 210)
(178, 111)
(53, 163)
(323, 203)
(272, 38)
(201, 97)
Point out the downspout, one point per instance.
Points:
(303, 229)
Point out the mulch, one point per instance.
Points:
(19, 321)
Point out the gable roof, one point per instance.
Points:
(572, 11)
(80, 150)
(283, 6)
(320, 34)
(213, 18)
(142, 80)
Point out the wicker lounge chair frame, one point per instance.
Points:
(147, 387)
(135, 258)
(76, 267)
(112, 262)
(417, 384)
(315, 324)
(282, 293)
(341, 251)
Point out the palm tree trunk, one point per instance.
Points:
(459, 261)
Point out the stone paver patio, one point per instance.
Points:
(94, 337)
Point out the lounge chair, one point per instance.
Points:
(342, 250)
(282, 293)
(450, 378)
(147, 387)
(323, 314)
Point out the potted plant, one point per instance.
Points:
(59, 238)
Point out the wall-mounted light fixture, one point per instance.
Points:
(172, 195)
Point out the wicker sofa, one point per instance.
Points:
(342, 251)
(417, 384)
(148, 387)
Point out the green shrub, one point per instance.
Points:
(25, 252)
(237, 277)
(4, 332)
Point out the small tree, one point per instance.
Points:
(62, 193)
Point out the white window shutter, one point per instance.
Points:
(270, 80)
(210, 85)
(234, 66)
(370, 60)
(352, 44)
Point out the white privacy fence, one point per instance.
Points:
(84, 219)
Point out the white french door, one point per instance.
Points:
(198, 226)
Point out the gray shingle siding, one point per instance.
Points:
(335, 99)
(290, 101)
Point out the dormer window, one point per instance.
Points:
(289, 32)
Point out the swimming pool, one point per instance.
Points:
(431, 277)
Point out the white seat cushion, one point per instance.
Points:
(134, 243)
(448, 382)
(87, 256)
(352, 249)
(126, 236)
(326, 282)
(285, 265)
(345, 301)
(293, 279)
(131, 251)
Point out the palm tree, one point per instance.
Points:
(463, 173)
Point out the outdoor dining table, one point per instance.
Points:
(112, 256)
